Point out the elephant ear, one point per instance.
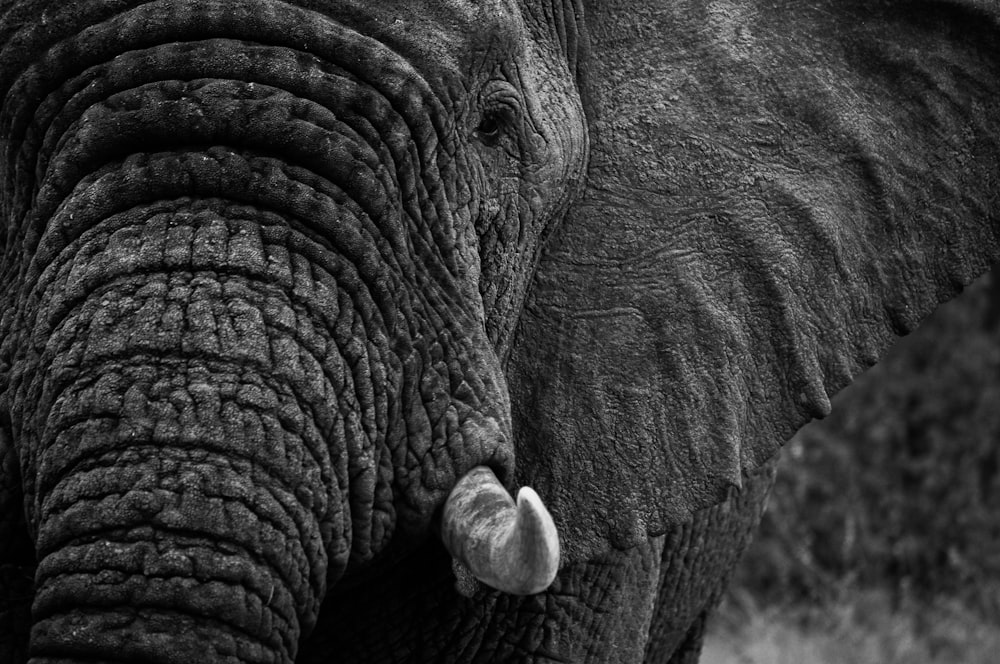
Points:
(776, 192)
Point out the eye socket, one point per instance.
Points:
(500, 115)
(490, 128)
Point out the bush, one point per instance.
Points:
(900, 486)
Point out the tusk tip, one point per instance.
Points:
(539, 542)
(533, 517)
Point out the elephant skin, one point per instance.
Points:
(279, 275)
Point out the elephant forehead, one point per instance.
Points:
(448, 33)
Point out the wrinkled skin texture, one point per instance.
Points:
(276, 274)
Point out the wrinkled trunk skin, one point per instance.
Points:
(185, 495)
(242, 321)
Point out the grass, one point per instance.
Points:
(862, 629)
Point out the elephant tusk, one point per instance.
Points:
(511, 547)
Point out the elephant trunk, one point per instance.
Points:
(176, 541)
(188, 503)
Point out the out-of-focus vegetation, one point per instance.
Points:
(864, 629)
(896, 495)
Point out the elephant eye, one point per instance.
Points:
(489, 129)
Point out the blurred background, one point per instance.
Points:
(881, 542)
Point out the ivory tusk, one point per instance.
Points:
(511, 547)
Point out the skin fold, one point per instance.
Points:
(276, 275)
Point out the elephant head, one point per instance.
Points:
(263, 262)
(281, 276)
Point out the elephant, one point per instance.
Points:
(298, 295)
